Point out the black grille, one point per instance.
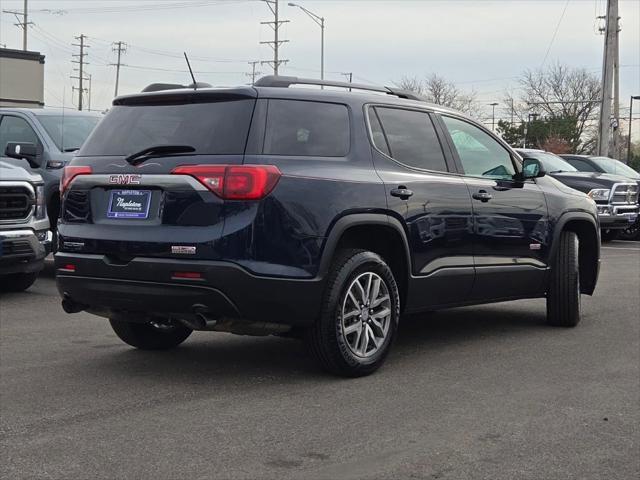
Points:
(15, 203)
(16, 248)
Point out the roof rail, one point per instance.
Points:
(285, 82)
(158, 87)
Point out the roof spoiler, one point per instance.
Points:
(158, 87)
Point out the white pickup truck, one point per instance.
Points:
(25, 238)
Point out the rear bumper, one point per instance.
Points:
(149, 286)
(22, 252)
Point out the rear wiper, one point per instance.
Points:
(157, 151)
(71, 149)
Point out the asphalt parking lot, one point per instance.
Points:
(483, 392)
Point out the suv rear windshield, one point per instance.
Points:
(212, 128)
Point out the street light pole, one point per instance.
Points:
(633, 97)
(320, 21)
(493, 115)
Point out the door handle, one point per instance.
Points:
(482, 195)
(402, 192)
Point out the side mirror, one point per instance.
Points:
(532, 168)
(23, 151)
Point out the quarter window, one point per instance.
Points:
(480, 154)
(411, 138)
(307, 129)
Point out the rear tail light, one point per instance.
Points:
(71, 172)
(234, 182)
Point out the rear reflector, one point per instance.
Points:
(69, 267)
(234, 182)
(71, 172)
(189, 275)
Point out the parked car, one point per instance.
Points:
(586, 163)
(25, 238)
(616, 196)
(51, 137)
(324, 214)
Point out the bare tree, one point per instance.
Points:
(559, 92)
(440, 91)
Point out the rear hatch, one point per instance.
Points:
(150, 178)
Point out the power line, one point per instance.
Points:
(553, 38)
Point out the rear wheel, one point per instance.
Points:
(359, 316)
(17, 282)
(563, 297)
(150, 335)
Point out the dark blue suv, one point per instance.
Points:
(323, 214)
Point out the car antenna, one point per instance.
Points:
(195, 84)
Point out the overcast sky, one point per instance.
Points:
(482, 45)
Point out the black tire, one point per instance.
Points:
(147, 336)
(17, 282)
(609, 235)
(631, 233)
(328, 343)
(563, 297)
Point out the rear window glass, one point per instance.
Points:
(211, 128)
(306, 129)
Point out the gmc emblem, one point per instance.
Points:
(125, 179)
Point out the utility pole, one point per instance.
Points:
(120, 48)
(616, 93)
(23, 24)
(633, 97)
(81, 64)
(611, 32)
(276, 42)
(89, 93)
(254, 73)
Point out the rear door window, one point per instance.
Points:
(410, 136)
(211, 128)
(307, 129)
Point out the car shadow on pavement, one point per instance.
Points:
(212, 358)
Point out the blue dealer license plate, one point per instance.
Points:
(129, 204)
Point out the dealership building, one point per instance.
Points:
(21, 78)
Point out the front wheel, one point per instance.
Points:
(359, 315)
(150, 335)
(563, 297)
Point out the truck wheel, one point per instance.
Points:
(563, 297)
(359, 315)
(609, 235)
(151, 335)
(631, 233)
(17, 282)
